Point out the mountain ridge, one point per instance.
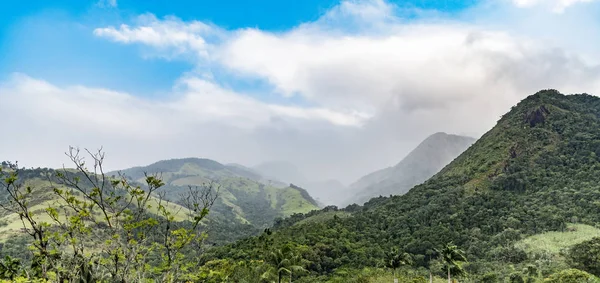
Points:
(421, 163)
(245, 196)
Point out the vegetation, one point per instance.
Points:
(248, 202)
(536, 171)
(519, 205)
(103, 229)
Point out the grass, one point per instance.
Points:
(555, 242)
(293, 202)
(379, 275)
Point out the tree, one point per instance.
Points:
(571, 276)
(430, 253)
(453, 258)
(18, 201)
(285, 260)
(9, 268)
(586, 256)
(397, 258)
(105, 228)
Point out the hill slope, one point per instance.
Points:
(43, 197)
(428, 158)
(537, 170)
(246, 204)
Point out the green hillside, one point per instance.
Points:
(247, 202)
(244, 207)
(536, 171)
(44, 197)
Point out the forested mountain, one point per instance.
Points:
(247, 202)
(537, 170)
(428, 158)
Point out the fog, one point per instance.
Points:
(356, 89)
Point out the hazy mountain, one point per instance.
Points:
(428, 158)
(254, 175)
(536, 171)
(326, 192)
(282, 171)
(245, 196)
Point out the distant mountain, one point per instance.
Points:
(247, 203)
(428, 158)
(254, 175)
(281, 170)
(327, 192)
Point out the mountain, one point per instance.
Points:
(428, 158)
(247, 201)
(326, 192)
(254, 175)
(537, 170)
(282, 171)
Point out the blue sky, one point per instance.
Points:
(54, 39)
(341, 88)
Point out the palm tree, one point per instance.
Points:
(285, 260)
(452, 256)
(430, 254)
(397, 259)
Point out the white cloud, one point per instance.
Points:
(198, 119)
(377, 84)
(557, 6)
(171, 36)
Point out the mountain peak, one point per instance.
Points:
(429, 157)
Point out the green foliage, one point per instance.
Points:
(571, 276)
(285, 261)
(397, 258)
(105, 229)
(586, 256)
(10, 268)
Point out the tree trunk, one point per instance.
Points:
(279, 277)
(449, 280)
(430, 276)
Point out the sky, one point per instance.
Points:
(338, 88)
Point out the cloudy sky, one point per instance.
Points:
(340, 88)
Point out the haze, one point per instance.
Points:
(339, 91)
